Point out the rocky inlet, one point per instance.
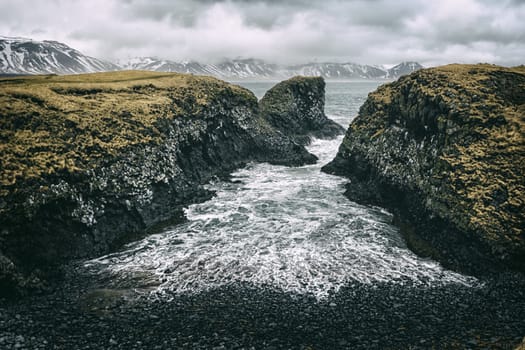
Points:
(92, 161)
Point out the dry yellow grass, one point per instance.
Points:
(50, 123)
(480, 110)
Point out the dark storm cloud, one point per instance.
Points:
(263, 14)
(183, 13)
(375, 32)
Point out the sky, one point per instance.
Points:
(378, 32)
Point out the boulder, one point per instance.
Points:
(296, 108)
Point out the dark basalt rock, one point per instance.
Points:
(443, 149)
(90, 162)
(296, 108)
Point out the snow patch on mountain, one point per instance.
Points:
(26, 56)
(242, 69)
(403, 68)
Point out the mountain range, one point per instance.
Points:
(26, 56)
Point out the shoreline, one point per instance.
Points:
(85, 314)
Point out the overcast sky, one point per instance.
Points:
(281, 31)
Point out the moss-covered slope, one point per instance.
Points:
(91, 161)
(444, 148)
(52, 124)
(296, 108)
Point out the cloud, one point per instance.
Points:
(373, 32)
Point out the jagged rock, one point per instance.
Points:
(444, 149)
(296, 108)
(92, 161)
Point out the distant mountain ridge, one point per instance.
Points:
(258, 69)
(26, 56)
(241, 69)
(403, 68)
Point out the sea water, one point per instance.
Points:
(281, 227)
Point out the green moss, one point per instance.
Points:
(51, 124)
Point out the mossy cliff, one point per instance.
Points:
(296, 108)
(91, 161)
(444, 149)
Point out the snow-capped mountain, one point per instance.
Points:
(238, 68)
(247, 68)
(258, 69)
(339, 71)
(228, 69)
(154, 64)
(403, 68)
(26, 56)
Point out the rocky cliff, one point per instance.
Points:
(296, 108)
(91, 161)
(444, 149)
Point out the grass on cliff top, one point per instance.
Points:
(51, 123)
(484, 153)
(437, 81)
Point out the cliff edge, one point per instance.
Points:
(296, 108)
(444, 150)
(92, 161)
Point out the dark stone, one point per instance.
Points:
(296, 108)
(448, 171)
(248, 316)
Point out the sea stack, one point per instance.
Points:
(296, 108)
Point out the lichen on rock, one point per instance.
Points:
(444, 149)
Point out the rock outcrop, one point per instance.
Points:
(444, 150)
(296, 108)
(92, 161)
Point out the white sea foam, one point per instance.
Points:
(290, 228)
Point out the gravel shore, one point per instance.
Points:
(83, 314)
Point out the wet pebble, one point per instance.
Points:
(358, 316)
